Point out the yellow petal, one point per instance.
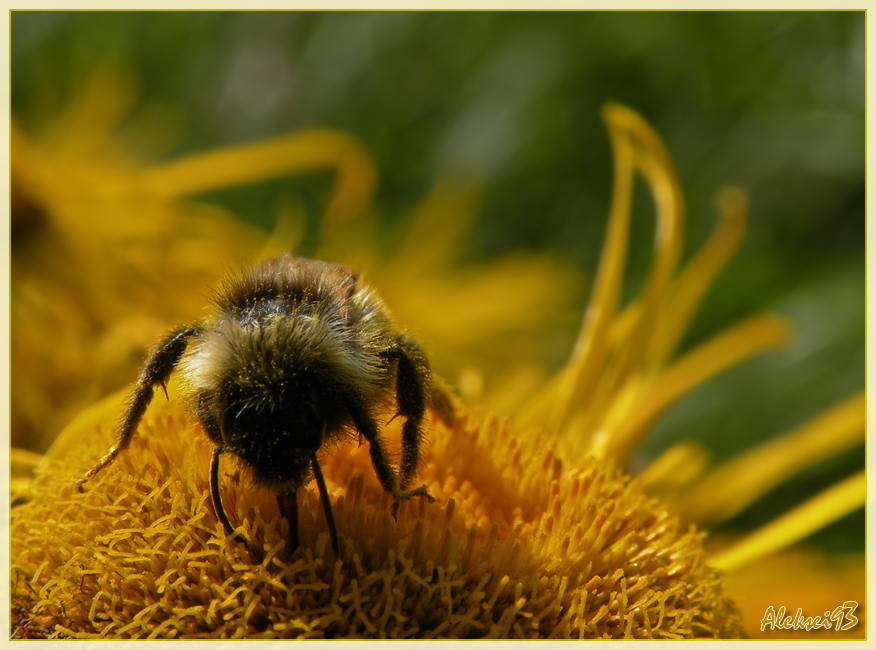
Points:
(737, 483)
(824, 508)
(699, 273)
(21, 465)
(655, 165)
(635, 146)
(295, 152)
(584, 368)
(675, 468)
(24, 458)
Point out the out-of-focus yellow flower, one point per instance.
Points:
(108, 253)
(536, 533)
(476, 321)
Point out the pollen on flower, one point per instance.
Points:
(521, 544)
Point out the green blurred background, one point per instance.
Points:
(770, 101)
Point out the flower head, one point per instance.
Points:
(520, 545)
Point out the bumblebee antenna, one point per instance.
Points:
(326, 505)
(216, 498)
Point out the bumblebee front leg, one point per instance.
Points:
(326, 506)
(156, 371)
(216, 497)
(288, 504)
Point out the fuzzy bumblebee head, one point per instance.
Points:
(271, 369)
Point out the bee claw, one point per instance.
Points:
(398, 497)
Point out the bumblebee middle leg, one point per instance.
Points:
(412, 386)
(385, 472)
(156, 371)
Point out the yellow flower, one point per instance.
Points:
(106, 254)
(537, 533)
(520, 545)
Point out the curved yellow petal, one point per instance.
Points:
(290, 226)
(584, 368)
(699, 273)
(824, 508)
(737, 483)
(24, 458)
(624, 429)
(656, 167)
(636, 147)
(314, 149)
(675, 468)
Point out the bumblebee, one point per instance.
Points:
(297, 354)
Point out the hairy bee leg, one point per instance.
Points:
(326, 505)
(443, 402)
(413, 383)
(216, 498)
(288, 504)
(156, 371)
(385, 472)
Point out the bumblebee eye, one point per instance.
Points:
(226, 422)
(309, 426)
(309, 414)
(222, 427)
